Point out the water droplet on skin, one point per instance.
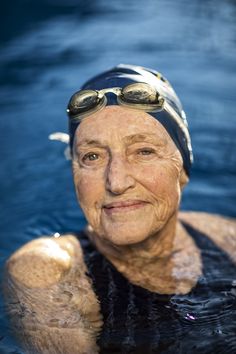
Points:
(56, 235)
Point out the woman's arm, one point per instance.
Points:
(50, 299)
(221, 230)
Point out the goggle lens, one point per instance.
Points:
(82, 101)
(138, 95)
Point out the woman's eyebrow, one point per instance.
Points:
(89, 142)
(153, 138)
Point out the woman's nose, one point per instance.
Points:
(119, 177)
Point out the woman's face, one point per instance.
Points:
(127, 174)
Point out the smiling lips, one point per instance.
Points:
(125, 206)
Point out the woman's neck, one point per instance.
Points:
(167, 262)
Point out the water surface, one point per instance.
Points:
(49, 48)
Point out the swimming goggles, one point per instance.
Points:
(138, 95)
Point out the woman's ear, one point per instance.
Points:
(183, 180)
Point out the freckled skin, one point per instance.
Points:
(123, 170)
(122, 155)
(49, 298)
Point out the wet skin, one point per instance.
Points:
(127, 174)
(128, 177)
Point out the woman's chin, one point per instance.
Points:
(128, 233)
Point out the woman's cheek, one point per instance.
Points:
(89, 188)
(84, 189)
(154, 178)
(165, 186)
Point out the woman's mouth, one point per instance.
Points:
(123, 206)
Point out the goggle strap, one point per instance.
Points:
(182, 126)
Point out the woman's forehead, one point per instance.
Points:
(128, 124)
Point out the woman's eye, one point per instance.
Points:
(146, 152)
(90, 157)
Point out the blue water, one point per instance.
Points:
(49, 48)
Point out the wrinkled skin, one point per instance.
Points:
(49, 298)
(133, 159)
(128, 177)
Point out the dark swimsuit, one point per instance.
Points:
(141, 322)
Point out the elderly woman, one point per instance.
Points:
(141, 276)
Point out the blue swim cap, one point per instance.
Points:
(172, 116)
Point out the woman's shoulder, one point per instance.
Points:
(44, 261)
(208, 222)
(220, 229)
